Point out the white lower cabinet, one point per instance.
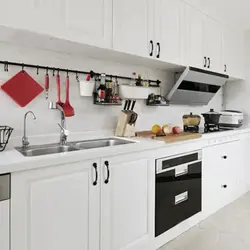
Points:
(60, 207)
(4, 225)
(55, 208)
(125, 204)
(223, 175)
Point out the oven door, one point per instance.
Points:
(178, 196)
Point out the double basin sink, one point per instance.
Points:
(71, 146)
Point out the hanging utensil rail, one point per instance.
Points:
(55, 69)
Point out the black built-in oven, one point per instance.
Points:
(178, 190)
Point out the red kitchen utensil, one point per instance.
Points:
(47, 85)
(22, 88)
(59, 102)
(68, 109)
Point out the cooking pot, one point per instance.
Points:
(191, 120)
(212, 117)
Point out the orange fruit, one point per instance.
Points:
(156, 129)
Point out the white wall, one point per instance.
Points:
(88, 116)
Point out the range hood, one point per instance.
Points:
(196, 87)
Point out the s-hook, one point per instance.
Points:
(6, 66)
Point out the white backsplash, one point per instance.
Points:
(88, 116)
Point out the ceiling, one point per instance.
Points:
(236, 12)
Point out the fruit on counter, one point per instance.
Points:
(156, 129)
(176, 130)
(166, 129)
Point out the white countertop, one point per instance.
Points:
(12, 161)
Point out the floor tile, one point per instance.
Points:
(228, 229)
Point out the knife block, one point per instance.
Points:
(123, 128)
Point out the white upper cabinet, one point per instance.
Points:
(47, 17)
(16, 14)
(126, 221)
(194, 48)
(168, 34)
(233, 52)
(213, 44)
(89, 22)
(133, 21)
(56, 208)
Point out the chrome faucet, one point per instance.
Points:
(64, 132)
(25, 141)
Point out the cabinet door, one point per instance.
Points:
(47, 17)
(132, 30)
(89, 22)
(126, 204)
(212, 180)
(16, 14)
(55, 208)
(194, 51)
(244, 155)
(168, 29)
(4, 225)
(213, 44)
(233, 52)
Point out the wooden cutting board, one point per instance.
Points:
(183, 136)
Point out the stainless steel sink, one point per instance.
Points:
(101, 143)
(46, 150)
(72, 146)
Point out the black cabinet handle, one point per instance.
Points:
(159, 50)
(225, 68)
(205, 61)
(208, 62)
(224, 186)
(152, 48)
(224, 157)
(106, 163)
(96, 174)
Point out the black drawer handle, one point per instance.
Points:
(208, 62)
(224, 157)
(96, 174)
(225, 68)
(205, 61)
(106, 163)
(159, 50)
(152, 48)
(224, 186)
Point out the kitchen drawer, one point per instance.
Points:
(177, 198)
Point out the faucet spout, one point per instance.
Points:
(25, 141)
(64, 133)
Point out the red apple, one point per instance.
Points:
(176, 130)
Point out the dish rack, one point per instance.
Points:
(5, 132)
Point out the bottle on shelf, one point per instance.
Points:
(133, 79)
(102, 88)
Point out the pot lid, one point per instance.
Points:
(191, 116)
(211, 112)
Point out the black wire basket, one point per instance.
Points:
(5, 132)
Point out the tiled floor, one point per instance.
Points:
(228, 229)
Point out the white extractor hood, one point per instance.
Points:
(196, 87)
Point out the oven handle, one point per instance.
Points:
(181, 173)
(181, 198)
(159, 169)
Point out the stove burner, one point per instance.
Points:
(192, 129)
(208, 127)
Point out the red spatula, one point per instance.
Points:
(68, 109)
(59, 102)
